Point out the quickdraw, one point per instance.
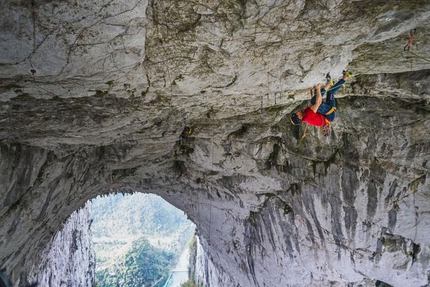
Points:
(411, 37)
(187, 131)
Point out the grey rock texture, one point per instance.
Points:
(68, 260)
(94, 96)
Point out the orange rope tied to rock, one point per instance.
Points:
(411, 37)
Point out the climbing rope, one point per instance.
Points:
(379, 64)
(406, 48)
(418, 56)
(210, 223)
(261, 107)
(210, 204)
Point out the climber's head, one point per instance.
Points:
(296, 118)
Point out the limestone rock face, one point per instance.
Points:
(68, 260)
(94, 96)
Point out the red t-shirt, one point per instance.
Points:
(314, 119)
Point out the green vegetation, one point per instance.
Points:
(137, 239)
(100, 93)
(137, 215)
(143, 265)
(287, 209)
(240, 132)
(190, 283)
(192, 249)
(109, 83)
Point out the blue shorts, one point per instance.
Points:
(330, 102)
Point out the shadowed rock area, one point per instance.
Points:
(95, 94)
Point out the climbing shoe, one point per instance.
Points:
(347, 73)
(329, 79)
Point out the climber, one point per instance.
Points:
(319, 113)
(411, 37)
(186, 132)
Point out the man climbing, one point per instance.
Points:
(319, 113)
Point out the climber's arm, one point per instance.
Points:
(318, 99)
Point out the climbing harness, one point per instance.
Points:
(332, 110)
(411, 37)
(325, 130)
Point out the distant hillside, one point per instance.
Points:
(142, 265)
(137, 239)
(136, 214)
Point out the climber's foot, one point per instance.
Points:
(346, 74)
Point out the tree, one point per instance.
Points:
(143, 265)
(188, 283)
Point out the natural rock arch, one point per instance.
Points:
(93, 100)
(333, 201)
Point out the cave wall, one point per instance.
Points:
(94, 96)
(35, 206)
(68, 259)
(351, 210)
